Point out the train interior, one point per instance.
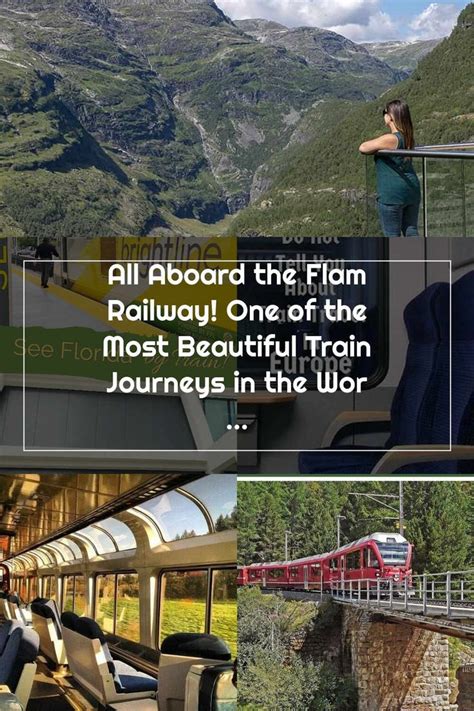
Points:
(299, 433)
(118, 591)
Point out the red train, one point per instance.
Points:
(384, 556)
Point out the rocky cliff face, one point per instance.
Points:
(117, 113)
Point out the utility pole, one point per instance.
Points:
(402, 512)
(379, 500)
(287, 534)
(339, 518)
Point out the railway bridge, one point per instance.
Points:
(395, 641)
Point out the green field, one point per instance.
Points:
(189, 616)
(186, 615)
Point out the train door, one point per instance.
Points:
(369, 565)
(336, 572)
(305, 577)
(353, 566)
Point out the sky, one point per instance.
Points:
(360, 20)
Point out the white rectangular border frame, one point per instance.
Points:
(236, 450)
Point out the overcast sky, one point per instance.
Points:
(360, 20)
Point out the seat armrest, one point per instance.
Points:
(350, 417)
(415, 454)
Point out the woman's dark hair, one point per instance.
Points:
(400, 113)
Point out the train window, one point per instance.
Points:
(393, 553)
(334, 564)
(219, 414)
(183, 602)
(64, 550)
(48, 587)
(99, 538)
(176, 516)
(217, 493)
(277, 573)
(316, 569)
(72, 546)
(121, 533)
(117, 607)
(127, 616)
(224, 607)
(353, 561)
(105, 602)
(74, 598)
(294, 572)
(32, 588)
(45, 557)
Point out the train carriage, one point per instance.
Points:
(379, 560)
(126, 584)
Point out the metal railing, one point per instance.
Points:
(452, 186)
(449, 594)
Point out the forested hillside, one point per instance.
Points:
(322, 188)
(439, 519)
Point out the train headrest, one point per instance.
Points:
(69, 620)
(14, 598)
(39, 608)
(189, 644)
(421, 319)
(5, 631)
(463, 308)
(90, 629)
(47, 611)
(44, 600)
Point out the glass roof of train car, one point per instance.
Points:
(196, 509)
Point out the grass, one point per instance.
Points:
(186, 615)
(189, 616)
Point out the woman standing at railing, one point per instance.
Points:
(398, 187)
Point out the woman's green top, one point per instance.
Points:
(397, 182)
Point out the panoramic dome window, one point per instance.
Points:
(176, 516)
(120, 532)
(218, 494)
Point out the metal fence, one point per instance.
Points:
(449, 594)
(447, 182)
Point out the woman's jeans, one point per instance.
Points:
(399, 220)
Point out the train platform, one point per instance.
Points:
(59, 307)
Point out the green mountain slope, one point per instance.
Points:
(404, 56)
(322, 189)
(126, 116)
(329, 51)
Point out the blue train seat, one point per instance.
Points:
(19, 648)
(91, 663)
(424, 317)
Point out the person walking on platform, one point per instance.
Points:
(45, 252)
